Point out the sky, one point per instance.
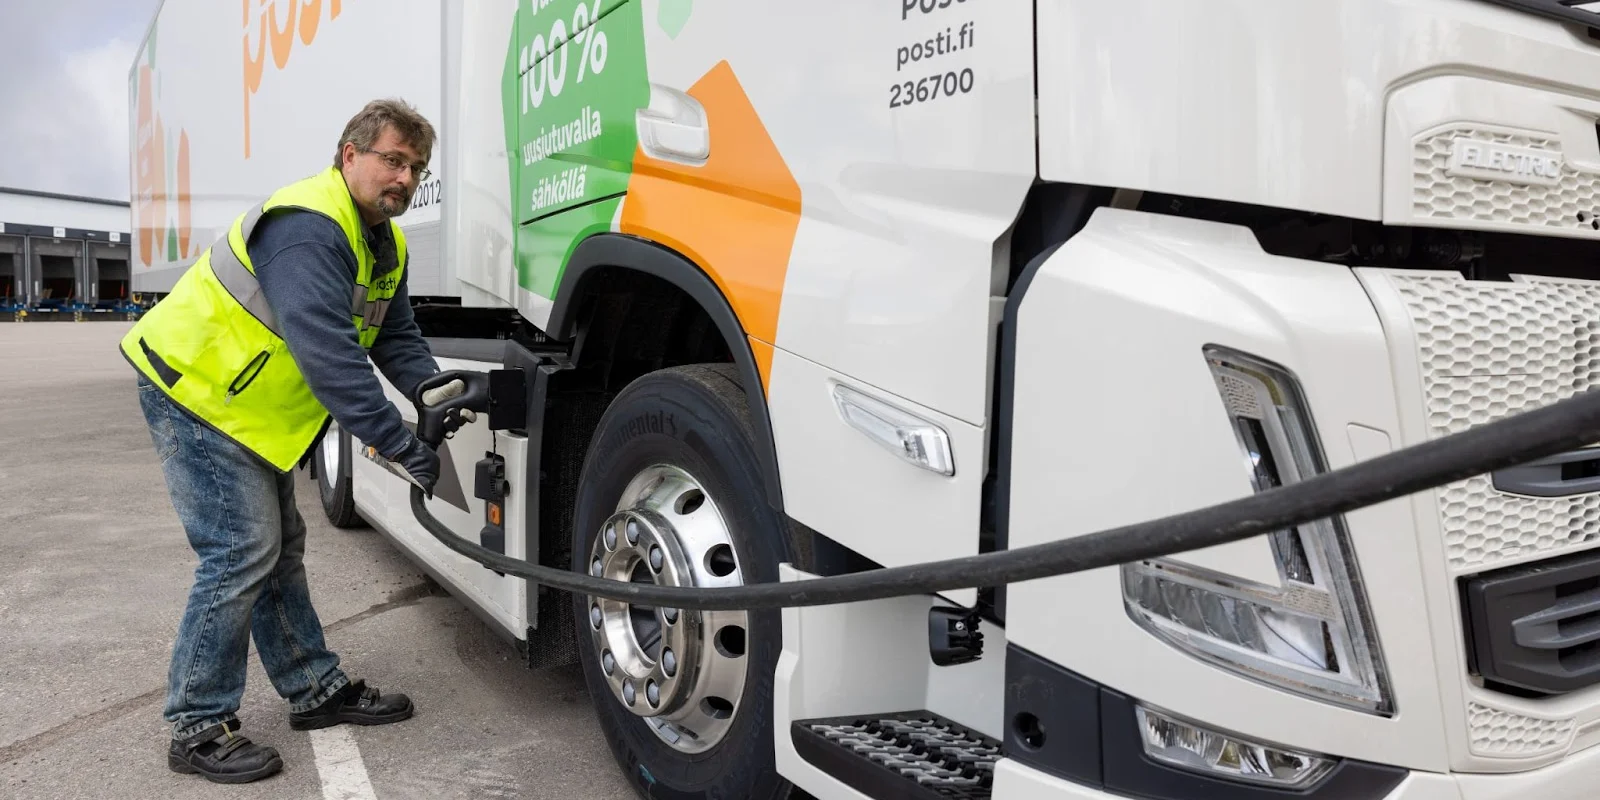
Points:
(67, 130)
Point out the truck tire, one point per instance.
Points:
(671, 492)
(333, 479)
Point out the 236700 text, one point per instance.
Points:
(905, 93)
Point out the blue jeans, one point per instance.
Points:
(240, 518)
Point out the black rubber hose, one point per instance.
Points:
(1557, 428)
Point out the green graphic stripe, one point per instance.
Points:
(544, 247)
(537, 20)
(569, 124)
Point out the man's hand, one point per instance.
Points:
(439, 394)
(421, 463)
(448, 399)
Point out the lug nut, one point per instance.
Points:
(596, 568)
(611, 537)
(656, 558)
(669, 662)
(652, 692)
(627, 692)
(594, 616)
(608, 662)
(670, 614)
(633, 532)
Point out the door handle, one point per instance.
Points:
(673, 127)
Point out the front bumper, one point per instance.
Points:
(1571, 779)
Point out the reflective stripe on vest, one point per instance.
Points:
(242, 284)
(371, 313)
(238, 279)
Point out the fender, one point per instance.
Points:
(642, 255)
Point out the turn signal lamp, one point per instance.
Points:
(1189, 746)
(908, 436)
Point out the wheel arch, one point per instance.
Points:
(611, 254)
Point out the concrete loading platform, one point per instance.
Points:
(67, 274)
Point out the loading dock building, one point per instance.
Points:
(63, 254)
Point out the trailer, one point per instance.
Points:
(796, 290)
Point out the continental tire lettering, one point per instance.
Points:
(649, 422)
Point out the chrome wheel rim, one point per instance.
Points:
(681, 671)
(330, 454)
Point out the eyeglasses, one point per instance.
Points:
(395, 162)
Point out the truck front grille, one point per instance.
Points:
(1488, 350)
(1467, 353)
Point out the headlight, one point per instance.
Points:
(1312, 634)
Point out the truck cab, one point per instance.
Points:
(801, 290)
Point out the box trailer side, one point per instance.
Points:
(226, 107)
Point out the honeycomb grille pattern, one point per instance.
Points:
(1487, 351)
(1571, 204)
(1502, 734)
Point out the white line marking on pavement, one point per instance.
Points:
(344, 776)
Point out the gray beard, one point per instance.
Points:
(390, 205)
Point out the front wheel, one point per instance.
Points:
(671, 493)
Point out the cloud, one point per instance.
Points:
(67, 130)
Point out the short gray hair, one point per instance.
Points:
(367, 125)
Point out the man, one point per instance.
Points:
(240, 367)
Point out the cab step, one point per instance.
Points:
(914, 755)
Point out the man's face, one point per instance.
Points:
(380, 190)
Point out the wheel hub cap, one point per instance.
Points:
(330, 452)
(682, 671)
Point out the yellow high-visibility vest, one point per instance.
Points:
(213, 344)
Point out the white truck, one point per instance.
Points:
(809, 288)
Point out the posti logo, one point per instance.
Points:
(271, 30)
(161, 197)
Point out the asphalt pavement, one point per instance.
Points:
(94, 570)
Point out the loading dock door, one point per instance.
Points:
(109, 278)
(11, 278)
(56, 267)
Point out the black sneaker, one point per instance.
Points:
(223, 756)
(356, 703)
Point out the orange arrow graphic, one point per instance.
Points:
(735, 216)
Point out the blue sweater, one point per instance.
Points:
(307, 272)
